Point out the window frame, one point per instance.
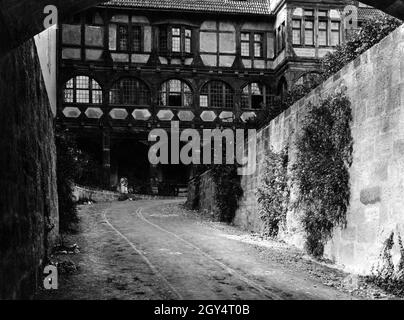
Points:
(251, 44)
(319, 15)
(130, 36)
(183, 38)
(332, 31)
(280, 38)
(90, 89)
(224, 94)
(299, 30)
(248, 42)
(311, 30)
(326, 30)
(120, 84)
(165, 89)
(267, 96)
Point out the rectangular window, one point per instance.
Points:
(82, 96)
(245, 44)
(309, 13)
(258, 45)
(188, 40)
(280, 38)
(322, 33)
(297, 32)
(335, 33)
(176, 40)
(136, 39)
(204, 101)
(68, 95)
(323, 13)
(123, 38)
(309, 33)
(163, 40)
(97, 96)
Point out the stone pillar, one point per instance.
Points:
(106, 158)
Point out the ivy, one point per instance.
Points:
(321, 169)
(385, 275)
(228, 191)
(273, 192)
(372, 32)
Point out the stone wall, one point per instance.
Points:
(84, 194)
(374, 83)
(28, 197)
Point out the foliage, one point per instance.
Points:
(299, 91)
(372, 32)
(321, 170)
(385, 276)
(273, 192)
(73, 167)
(66, 171)
(228, 190)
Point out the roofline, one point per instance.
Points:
(107, 6)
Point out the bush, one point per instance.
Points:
(385, 276)
(228, 191)
(66, 171)
(321, 170)
(273, 192)
(372, 32)
(73, 167)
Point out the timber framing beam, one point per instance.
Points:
(20, 20)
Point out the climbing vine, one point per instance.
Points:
(273, 192)
(228, 191)
(321, 169)
(386, 275)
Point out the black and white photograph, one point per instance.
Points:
(198, 157)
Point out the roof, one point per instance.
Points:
(368, 13)
(258, 7)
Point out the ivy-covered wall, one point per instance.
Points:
(374, 84)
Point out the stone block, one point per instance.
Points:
(367, 233)
(384, 145)
(380, 171)
(398, 148)
(371, 195)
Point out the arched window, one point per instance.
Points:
(175, 93)
(256, 96)
(82, 89)
(130, 91)
(216, 94)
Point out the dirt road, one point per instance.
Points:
(155, 249)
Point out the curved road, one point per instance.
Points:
(149, 249)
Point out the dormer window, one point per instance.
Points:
(175, 40)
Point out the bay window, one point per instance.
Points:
(175, 40)
(316, 28)
(252, 42)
